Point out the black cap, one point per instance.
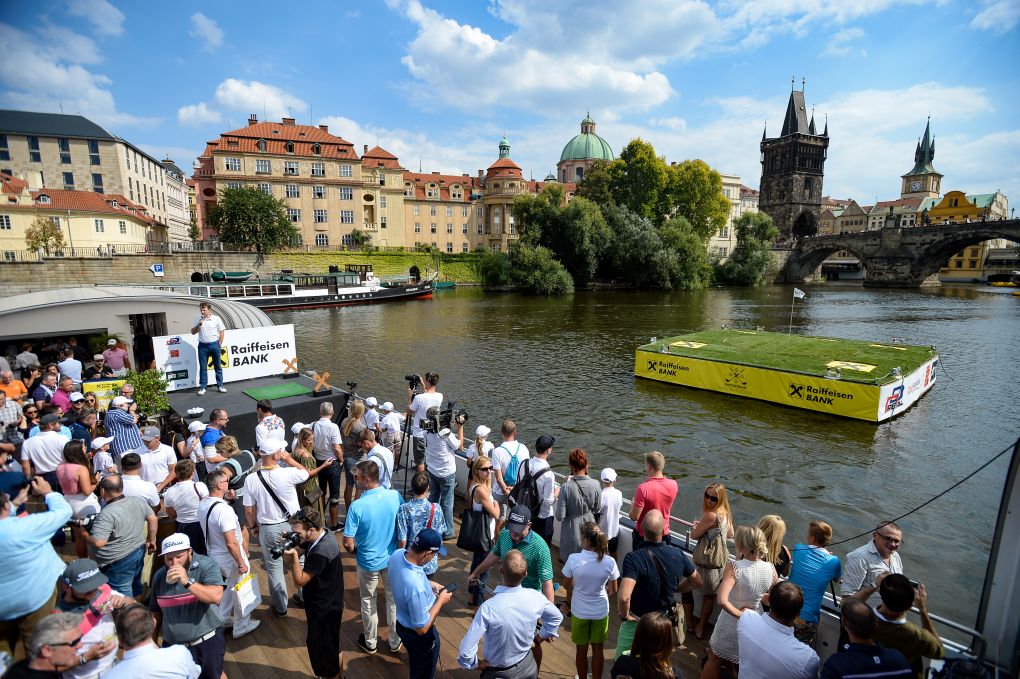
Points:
(544, 442)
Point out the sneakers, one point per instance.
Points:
(221, 389)
(363, 645)
(278, 613)
(338, 527)
(297, 601)
(201, 391)
(400, 645)
(241, 630)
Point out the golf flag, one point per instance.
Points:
(798, 293)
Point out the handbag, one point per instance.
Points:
(711, 551)
(675, 611)
(248, 594)
(474, 535)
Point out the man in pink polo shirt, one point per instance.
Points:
(117, 357)
(62, 396)
(656, 492)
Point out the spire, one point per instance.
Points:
(811, 126)
(924, 153)
(825, 133)
(764, 132)
(796, 121)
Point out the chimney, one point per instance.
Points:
(252, 120)
(435, 172)
(288, 121)
(365, 147)
(324, 128)
(481, 173)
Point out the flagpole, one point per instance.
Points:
(793, 302)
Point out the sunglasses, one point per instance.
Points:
(711, 498)
(31, 412)
(68, 643)
(485, 469)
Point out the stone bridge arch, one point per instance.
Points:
(929, 259)
(809, 255)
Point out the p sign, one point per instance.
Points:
(157, 270)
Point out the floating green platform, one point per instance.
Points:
(872, 381)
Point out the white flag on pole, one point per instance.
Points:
(798, 293)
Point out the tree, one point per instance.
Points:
(44, 233)
(536, 271)
(751, 262)
(596, 185)
(359, 238)
(493, 269)
(249, 218)
(693, 270)
(639, 180)
(576, 234)
(695, 192)
(636, 255)
(194, 233)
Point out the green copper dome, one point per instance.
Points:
(587, 145)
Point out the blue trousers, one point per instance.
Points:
(205, 350)
(441, 490)
(422, 651)
(125, 575)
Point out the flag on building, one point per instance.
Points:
(798, 293)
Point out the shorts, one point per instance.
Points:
(418, 450)
(329, 482)
(349, 465)
(806, 632)
(584, 632)
(504, 507)
(323, 643)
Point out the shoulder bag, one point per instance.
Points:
(273, 495)
(474, 535)
(711, 551)
(675, 609)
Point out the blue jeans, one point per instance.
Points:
(422, 651)
(441, 490)
(125, 575)
(205, 350)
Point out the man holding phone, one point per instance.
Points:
(419, 601)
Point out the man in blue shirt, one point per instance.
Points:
(418, 601)
(814, 567)
(863, 657)
(29, 592)
(370, 534)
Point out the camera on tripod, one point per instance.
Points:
(437, 419)
(287, 541)
(414, 382)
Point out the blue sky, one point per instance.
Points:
(439, 81)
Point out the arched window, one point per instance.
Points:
(316, 149)
(262, 145)
(290, 147)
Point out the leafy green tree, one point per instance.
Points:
(751, 262)
(493, 268)
(640, 180)
(536, 271)
(636, 255)
(695, 192)
(43, 233)
(693, 271)
(533, 215)
(193, 231)
(248, 218)
(579, 237)
(597, 184)
(359, 238)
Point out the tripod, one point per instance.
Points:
(406, 445)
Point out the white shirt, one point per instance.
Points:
(507, 622)
(545, 485)
(385, 456)
(152, 662)
(283, 481)
(195, 449)
(71, 367)
(271, 426)
(222, 520)
(183, 497)
(101, 463)
(862, 566)
(420, 405)
(325, 435)
(440, 457)
(156, 464)
(589, 600)
(768, 650)
(487, 446)
(45, 450)
(501, 458)
(612, 501)
(209, 328)
(136, 486)
(371, 418)
(25, 359)
(392, 422)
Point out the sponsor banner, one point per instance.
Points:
(104, 390)
(246, 353)
(835, 397)
(899, 396)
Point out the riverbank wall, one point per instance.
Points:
(135, 269)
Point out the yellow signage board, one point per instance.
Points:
(104, 390)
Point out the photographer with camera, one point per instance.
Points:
(441, 446)
(321, 580)
(28, 565)
(421, 396)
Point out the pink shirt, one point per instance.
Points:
(655, 493)
(61, 398)
(115, 358)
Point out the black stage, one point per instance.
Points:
(241, 407)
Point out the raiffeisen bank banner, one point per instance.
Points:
(246, 353)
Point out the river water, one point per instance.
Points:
(565, 366)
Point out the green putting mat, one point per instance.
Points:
(275, 391)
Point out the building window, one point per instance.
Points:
(409, 190)
(382, 201)
(322, 239)
(65, 150)
(479, 228)
(449, 247)
(449, 227)
(290, 167)
(294, 214)
(69, 180)
(480, 213)
(724, 251)
(290, 147)
(432, 227)
(97, 182)
(417, 227)
(99, 226)
(266, 189)
(262, 167)
(972, 264)
(262, 145)
(123, 226)
(346, 216)
(382, 222)
(346, 170)
(233, 185)
(234, 164)
(5, 222)
(293, 191)
(33, 150)
(432, 210)
(318, 169)
(318, 192)
(973, 252)
(464, 227)
(5, 152)
(724, 232)
(316, 149)
(55, 221)
(464, 212)
(94, 152)
(382, 179)
(432, 191)
(346, 193)
(416, 210)
(319, 216)
(455, 192)
(463, 247)
(579, 173)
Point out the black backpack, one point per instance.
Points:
(960, 668)
(525, 491)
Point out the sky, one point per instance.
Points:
(438, 82)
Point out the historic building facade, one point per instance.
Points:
(923, 180)
(178, 215)
(581, 152)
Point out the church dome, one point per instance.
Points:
(587, 145)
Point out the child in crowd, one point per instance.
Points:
(609, 509)
(102, 460)
(193, 446)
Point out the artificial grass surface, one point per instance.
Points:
(797, 353)
(274, 391)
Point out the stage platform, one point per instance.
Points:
(241, 407)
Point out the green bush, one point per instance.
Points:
(150, 391)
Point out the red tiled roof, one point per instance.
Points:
(504, 163)
(421, 180)
(276, 136)
(379, 157)
(899, 202)
(11, 184)
(747, 191)
(88, 201)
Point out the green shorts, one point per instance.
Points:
(588, 631)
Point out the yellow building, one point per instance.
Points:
(91, 222)
(440, 210)
(968, 265)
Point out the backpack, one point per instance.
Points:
(960, 668)
(525, 492)
(512, 467)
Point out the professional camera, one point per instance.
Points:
(438, 419)
(84, 522)
(11, 435)
(287, 541)
(413, 382)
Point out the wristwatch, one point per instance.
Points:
(189, 583)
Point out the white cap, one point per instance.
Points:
(120, 401)
(76, 396)
(101, 441)
(482, 431)
(272, 445)
(387, 407)
(196, 426)
(98, 357)
(175, 543)
(371, 402)
(112, 342)
(297, 427)
(609, 474)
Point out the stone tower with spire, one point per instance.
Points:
(923, 180)
(792, 169)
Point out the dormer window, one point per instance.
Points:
(113, 203)
(290, 147)
(43, 198)
(316, 149)
(262, 145)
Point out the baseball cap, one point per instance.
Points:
(428, 540)
(101, 441)
(272, 445)
(120, 401)
(76, 396)
(297, 427)
(388, 406)
(98, 357)
(149, 433)
(608, 474)
(175, 543)
(520, 517)
(544, 442)
(371, 402)
(196, 426)
(112, 342)
(482, 431)
(51, 418)
(83, 576)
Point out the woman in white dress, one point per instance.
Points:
(744, 583)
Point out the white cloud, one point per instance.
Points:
(183, 156)
(672, 123)
(104, 17)
(207, 30)
(63, 44)
(998, 16)
(840, 44)
(197, 114)
(264, 100)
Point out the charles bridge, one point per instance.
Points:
(897, 257)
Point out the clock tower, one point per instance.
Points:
(923, 181)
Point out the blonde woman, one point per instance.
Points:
(350, 429)
(779, 554)
(744, 583)
(480, 493)
(715, 517)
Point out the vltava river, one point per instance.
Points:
(565, 366)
